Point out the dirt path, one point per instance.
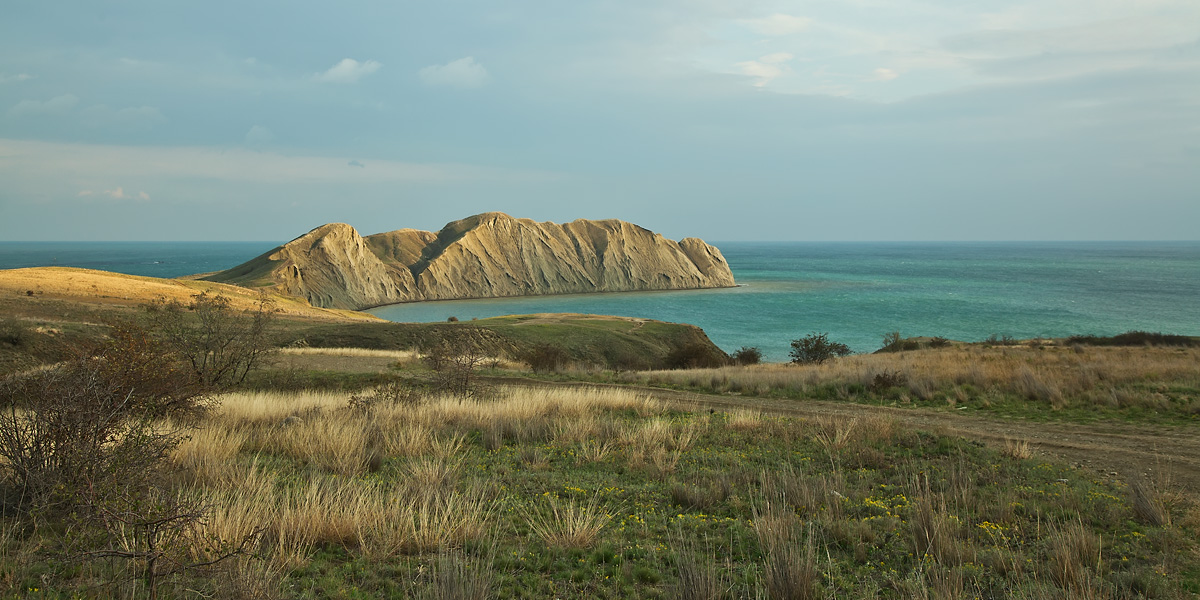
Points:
(1164, 455)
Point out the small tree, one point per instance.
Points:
(815, 348)
(221, 345)
(455, 359)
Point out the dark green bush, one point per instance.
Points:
(815, 348)
(1135, 338)
(546, 358)
(695, 356)
(746, 355)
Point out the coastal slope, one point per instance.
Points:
(489, 255)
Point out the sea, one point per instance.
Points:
(854, 292)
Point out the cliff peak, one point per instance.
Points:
(482, 256)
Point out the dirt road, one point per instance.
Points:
(1162, 455)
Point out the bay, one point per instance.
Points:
(855, 292)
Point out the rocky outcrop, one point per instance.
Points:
(485, 256)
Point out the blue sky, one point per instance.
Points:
(728, 120)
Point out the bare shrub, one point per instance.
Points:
(887, 380)
(221, 346)
(455, 360)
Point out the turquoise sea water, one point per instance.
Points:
(854, 291)
(857, 292)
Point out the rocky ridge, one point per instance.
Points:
(485, 256)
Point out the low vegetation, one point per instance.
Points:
(590, 493)
(1147, 384)
(131, 469)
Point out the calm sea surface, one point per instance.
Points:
(854, 291)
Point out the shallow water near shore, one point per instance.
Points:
(859, 291)
(854, 291)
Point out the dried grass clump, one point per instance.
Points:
(1018, 449)
(745, 419)
(1073, 550)
(790, 568)
(701, 573)
(933, 534)
(570, 524)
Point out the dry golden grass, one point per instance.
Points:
(332, 503)
(1018, 449)
(745, 419)
(570, 524)
(1059, 376)
(362, 352)
(102, 287)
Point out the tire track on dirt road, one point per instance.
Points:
(1166, 456)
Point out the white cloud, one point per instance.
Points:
(5, 78)
(777, 25)
(766, 68)
(117, 193)
(47, 161)
(776, 58)
(348, 71)
(258, 135)
(55, 106)
(461, 73)
(884, 74)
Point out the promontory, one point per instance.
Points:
(490, 255)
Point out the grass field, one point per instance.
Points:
(1147, 384)
(570, 490)
(588, 493)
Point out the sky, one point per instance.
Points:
(723, 119)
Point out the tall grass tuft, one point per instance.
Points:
(569, 524)
(790, 568)
(701, 576)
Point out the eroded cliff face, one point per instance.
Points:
(484, 256)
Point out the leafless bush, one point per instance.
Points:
(220, 345)
(455, 360)
(83, 445)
